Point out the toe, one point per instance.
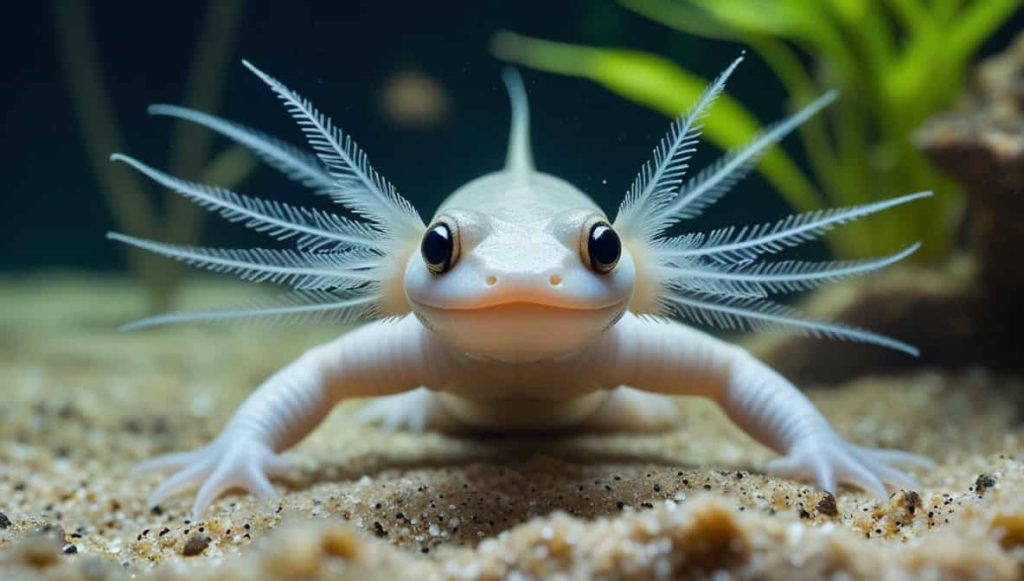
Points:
(182, 480)
(218, 483)
(895, 477)
(825, 476)
(856, 473)
(900, 458)
(783, 466)
(164, 463)
(259, 484)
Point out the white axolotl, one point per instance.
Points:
(521, 306)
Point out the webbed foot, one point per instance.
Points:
(829, 459)
(230, 461)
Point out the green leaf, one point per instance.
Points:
(778, 18)
(683, 16)
(658, 83)
(852, 12)
(912, 13)
(976, 22)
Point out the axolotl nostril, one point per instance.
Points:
(521, 305)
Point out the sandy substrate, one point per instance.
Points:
(81, 404)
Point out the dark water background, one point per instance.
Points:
(339, 54)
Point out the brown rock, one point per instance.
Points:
(40, 549)
(827, 505)
(340, 542)
(967, 312)
(981, 145)
(1009, 529)
(195, 545)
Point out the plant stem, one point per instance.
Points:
(126, 196)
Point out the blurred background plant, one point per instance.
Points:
(894, 62)
(133, 204)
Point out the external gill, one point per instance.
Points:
(340, 266)
(717, 278)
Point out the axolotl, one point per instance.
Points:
(520, 305)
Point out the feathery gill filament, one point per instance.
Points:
(734, 166)
(785, 276)
(338, 151)
(277, 218)
(259, 264)
(296, 164)
(652, 188)
(750, 242)
(347, 308)
(760, 314)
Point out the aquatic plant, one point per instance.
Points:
(131, 202)
(895, 63)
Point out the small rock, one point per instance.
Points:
(196, 544)
(1009, 529)
(297, 552)
(983, 483)
(912, 501)
(827, 505)
(38, 550)
(69, 549)
(4, 521)
(340, 542)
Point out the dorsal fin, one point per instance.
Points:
(519, 160)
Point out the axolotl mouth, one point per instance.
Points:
(519, 331)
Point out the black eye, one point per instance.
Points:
(603, 248)
(439, 248)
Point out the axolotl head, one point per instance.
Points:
(519, 267)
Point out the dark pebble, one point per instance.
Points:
(195, 545)
(69, 549)
(4, 521)
(827, 505)
(984, 481)
(912, 500)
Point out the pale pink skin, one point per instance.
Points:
(521, 335)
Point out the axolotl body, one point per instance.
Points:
(520, 306)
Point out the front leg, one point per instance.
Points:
(667, 357)
(377, 359)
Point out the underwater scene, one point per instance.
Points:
(618, 289)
